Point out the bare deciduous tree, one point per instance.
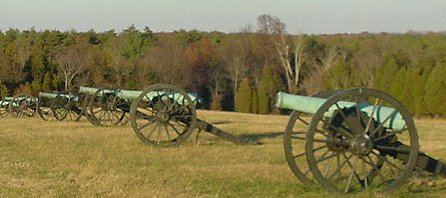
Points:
(71, 60)
(273, 26)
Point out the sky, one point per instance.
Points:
(300, 16)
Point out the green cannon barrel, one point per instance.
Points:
(121, 93)
(5, 101)
(88, 90)
(310, 105)
(8, 98)
(52, 95)
(134, 94)
(47, 95)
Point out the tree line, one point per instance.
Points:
(239, 71)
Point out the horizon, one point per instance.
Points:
(301, 17)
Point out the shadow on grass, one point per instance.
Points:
(261, 136)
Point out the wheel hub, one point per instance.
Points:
(361, 145)
(163, 117)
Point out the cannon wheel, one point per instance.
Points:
(67, 108)
(294, 143)
(23, 106)
(104, 108)
(160, 119)
(44, 108)
(3, 109)
(350, 151)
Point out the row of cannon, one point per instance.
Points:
(356, 140)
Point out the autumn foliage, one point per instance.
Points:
(232, 71)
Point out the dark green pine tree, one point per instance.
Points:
(269, 84)
(398, 86)
(264, 88)
(254, 101)
(3, 90)
(385, 75)
(46, 84)
(243, 97)
(416, 77)
(435, 89)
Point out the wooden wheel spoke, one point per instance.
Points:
(387, 135)
(353, 173)
(174, 128)
(324, 157)
(349, 135)
(167, 132)
(369, 122)
(298, 135)
(314, 150)
(340, 166)
(381, 125)
(384, 158)
(375, 168)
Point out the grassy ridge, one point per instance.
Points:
(67, 159)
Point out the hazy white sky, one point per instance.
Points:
(300, 16)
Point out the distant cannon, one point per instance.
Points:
(357, 140)
(60, 106)
(4, 106)
(105, 107)
(160, 115)
(21, 105)
(111, 107)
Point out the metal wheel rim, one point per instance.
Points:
(175, 131)
(405, 170)
(70, 109)
(296, 161)
(44, 109)
(102, 116)
(23, 105)
(294, 144)
(58, 106)
(3, 109)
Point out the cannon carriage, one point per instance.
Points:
(356, 140)
(18, 106)
(161, 114)
(60, 106)
(4, 106)
(107, 106)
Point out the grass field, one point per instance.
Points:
(77, 159)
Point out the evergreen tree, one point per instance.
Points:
(3, 90)
(419, 92)
(269, 84)
(254, 101)
(435, 89)
(262, 99)
(46, 84)
(243, 97)
(385, 75)
(397, 86)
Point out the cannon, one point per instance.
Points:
(4, 106)
(164, 115)
(160, 115)
(105, 106)
(356, 140)
(22, 105)
(60, 106)
(109, 106)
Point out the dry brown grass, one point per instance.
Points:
(77, 159)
